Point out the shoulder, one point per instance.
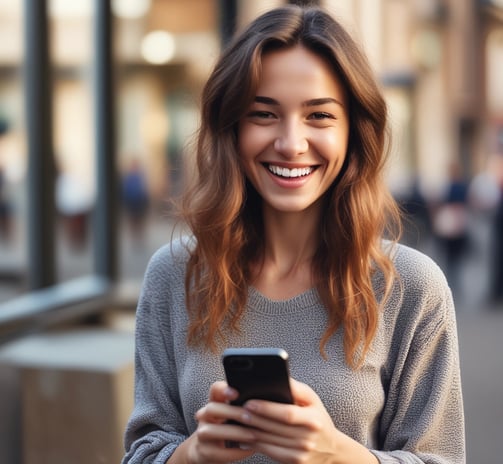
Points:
(415, 269)
(421, 292)
(163, 288)
(173, 254)
(168, 263)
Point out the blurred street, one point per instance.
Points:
(481, 348)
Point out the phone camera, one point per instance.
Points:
(241, 363)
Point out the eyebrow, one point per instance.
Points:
(312, 102)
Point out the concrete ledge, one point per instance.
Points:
(66, 396)
(46, 307)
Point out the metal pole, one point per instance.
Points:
(305, 2)
(228, 17)
(106, 209)
(41, 168)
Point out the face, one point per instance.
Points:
(293, 138)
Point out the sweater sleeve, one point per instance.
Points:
(156, 426)
(423, 419)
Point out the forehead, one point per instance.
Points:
(299, 71)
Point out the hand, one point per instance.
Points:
(301, 433)
(207, 444)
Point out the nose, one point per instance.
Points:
(291, 141)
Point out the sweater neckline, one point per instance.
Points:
(297, 303)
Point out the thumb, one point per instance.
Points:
(222, 393)
(303, 394)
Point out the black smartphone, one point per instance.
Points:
(258, 373)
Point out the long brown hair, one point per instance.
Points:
(224, 211)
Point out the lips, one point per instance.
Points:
(290, 173)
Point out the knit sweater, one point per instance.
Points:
(404, 404)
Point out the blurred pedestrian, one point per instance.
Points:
(417, 217)
(5, 208)
(135, 198)
(496, 284)
(5, 205)
(74, 202)
(497, 255)
(450, 224)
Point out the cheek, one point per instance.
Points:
(253, 140)
(244, 141)
(333, 147)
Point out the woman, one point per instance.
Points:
(288, 214)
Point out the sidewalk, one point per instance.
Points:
(481, 352)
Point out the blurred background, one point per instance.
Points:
(99, 102)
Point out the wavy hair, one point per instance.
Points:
(223, 210)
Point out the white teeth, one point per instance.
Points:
(285, 172)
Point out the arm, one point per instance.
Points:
(156, 426)
(423, 420)
(157, 431)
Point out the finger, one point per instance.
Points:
(285, 442)
(213, 439)
(303, 394)
(276, 417)
(226, 432)
(219, 454)
(275, 421)
(216, 452)
(215, 412)
(279, 453)
(284, 437)
(221, 392)
(266, 414)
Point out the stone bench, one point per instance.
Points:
(65, 396)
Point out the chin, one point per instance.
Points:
(289, 207)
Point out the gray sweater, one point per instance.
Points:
(404, 404)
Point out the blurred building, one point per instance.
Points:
(90, 87)
(439, 62)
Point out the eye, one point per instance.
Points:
(261, 114)
(320, 115)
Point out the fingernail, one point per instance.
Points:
(230, 393)
(251, 406)
(245, 446)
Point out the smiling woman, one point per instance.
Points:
(291, 246)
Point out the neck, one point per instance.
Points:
(290, 244)
(291, 240)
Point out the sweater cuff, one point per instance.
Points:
(396, 457)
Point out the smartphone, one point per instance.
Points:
(258, 373)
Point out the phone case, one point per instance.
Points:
(258, 373)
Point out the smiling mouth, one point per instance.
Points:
(290, 173)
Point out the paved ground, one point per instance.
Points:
(481, 351)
